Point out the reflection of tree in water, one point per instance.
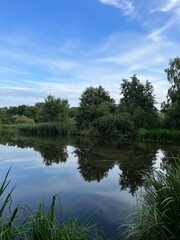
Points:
(92, 166)
(133, 163)
(96, 157)
(51, 151)
(170, 156)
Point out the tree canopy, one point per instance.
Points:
(171, 107)
(138, 101)
(95, 103)
(94, 96)
(55, 109)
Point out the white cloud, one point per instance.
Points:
(125, 5)
(12, 70)
(68, 71)
(169, 5)
(159, 34)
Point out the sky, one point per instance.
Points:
(61, 47)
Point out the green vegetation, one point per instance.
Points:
(171, 108)
(39, 225)
(98, 115)
(47, 129)
(159, 135)
(138, 102)
(157, 214)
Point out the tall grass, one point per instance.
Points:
(157, 214)
(39, 225)
(159, 135)
(47, 129)
(7, 228)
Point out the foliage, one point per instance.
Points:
(44, 226)
(47, 129)
(171, 107)
(113, 125)
(157, 213)
(97, 114)
(17, 119)
(7, 228)
(138, 102)
(94, 97)
(159, 135)
(55, 110)
(39, 225)
(73, 111)
(3, 116)
(52, 109)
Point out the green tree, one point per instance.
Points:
(21, 119)
(138, 102)
(171, 108)
(94, 97)
(4, 116)
(55, 109)
(95, 102)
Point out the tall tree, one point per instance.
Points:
(95, 102)
(171, 107)
(94, 97)
(138, 101)
(55, 109)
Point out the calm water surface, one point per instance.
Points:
(90, 175)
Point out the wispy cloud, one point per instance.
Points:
(169, 5)
(125, 5)
(12, 70)
(65, 70)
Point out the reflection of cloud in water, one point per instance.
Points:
(159, 156)
(118, 168)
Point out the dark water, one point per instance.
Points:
(96, 179)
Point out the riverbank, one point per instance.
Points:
(159, 135)
(69, 128)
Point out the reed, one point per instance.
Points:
(7, 228)
(47, 129)
(159, 135)
(44, 226)
(157, 214)
(40, 225)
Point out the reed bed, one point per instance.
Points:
(40, 225)
(159, 135)
(47, 129)
(157, 214)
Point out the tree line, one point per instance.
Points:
(98, 115)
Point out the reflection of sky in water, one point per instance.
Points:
(159, 156)
(35, 181)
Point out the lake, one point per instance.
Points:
(96, 179)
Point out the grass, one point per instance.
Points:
(40, 225)
(8, 126)
(157, 213)
(159, 135)
(47, 129)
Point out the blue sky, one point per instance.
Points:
(60, 47)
